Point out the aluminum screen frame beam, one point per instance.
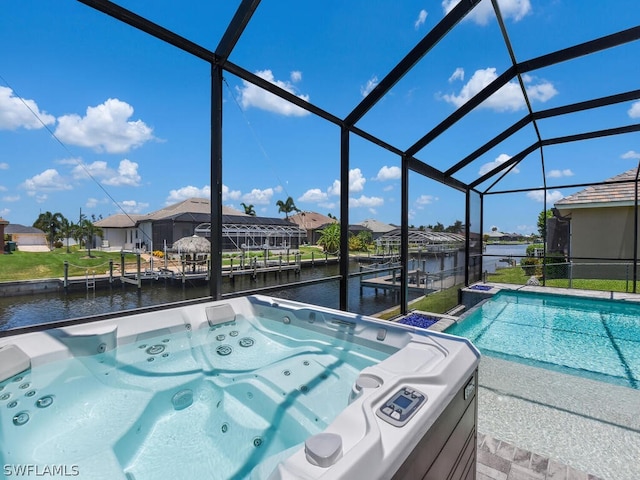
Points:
(429, 41)
(555, 141)
(542, 114)
(570, 53)
(235, 28)
(134, 20)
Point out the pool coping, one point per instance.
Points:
(477, 297)
(575, 292)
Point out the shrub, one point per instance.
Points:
(531, 266)
(58, 244)
(555, 266)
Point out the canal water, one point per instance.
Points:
(20, 311)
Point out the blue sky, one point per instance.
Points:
(130, 116)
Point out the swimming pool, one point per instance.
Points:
(593, 338)
(246, 388)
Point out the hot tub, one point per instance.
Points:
(252, 387)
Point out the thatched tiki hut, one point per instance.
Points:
(193, 250)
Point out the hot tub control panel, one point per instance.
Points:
(403, 405)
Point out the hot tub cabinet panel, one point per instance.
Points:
(448, 450)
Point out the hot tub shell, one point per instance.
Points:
(438, 441)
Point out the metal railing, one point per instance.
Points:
(583, 273)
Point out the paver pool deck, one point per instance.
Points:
(498, 460)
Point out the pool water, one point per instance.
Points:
(593, 338)
(212, 403)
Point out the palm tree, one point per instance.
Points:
(50, 224)
(287, 207)
(67, 228)
(248, 209)
(86, 230)
(330, 238)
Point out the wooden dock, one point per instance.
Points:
(418, 281)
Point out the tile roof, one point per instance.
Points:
(606, 193)
(17, 228)
(119, 220)
(190, 205)
(376, 226)
(310, 220)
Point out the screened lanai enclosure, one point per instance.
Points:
(255, 233)
(499, 114)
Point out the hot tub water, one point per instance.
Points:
(229, 396)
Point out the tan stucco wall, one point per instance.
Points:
(602, 232)
(23, 239)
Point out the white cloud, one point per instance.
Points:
(3, 188)
(21, 113)
(97, 169)
(258, 197)
(356, 180)
(423, 200)
(458, 74)
(4, 166)
(314, 195)
(487, 167)
(132, 206)
(370, 85)
(356, 183)
(560, 173)
(105, 127)
(11, 198)
(126, 175)
(552, 196)
(631, 154)
(388, 188)
(296, 76)
(334, 189)
(5, 212)
(634, 111)
(190, 192)
(482, 13)
(388, 173)
(508, 98)
(91, 202)
(227, 194)
(48, 181)
(365, 201)
(328, 205)
(422, 17)
(69, 161)
(254, 96)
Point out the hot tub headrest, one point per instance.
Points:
(12, 361)
(219, 314)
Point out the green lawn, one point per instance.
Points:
(31, 265)
(516, 276)
(438, 302)
(34, 265)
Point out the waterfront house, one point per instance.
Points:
(313, 223)
(597, 211)
(25, 236)
(161, 228)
